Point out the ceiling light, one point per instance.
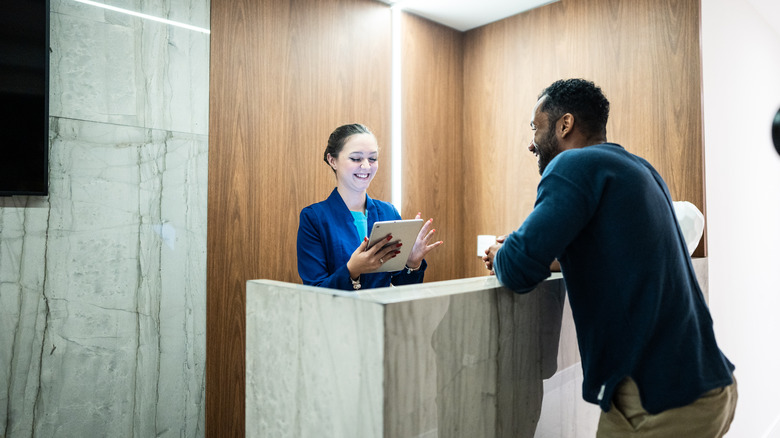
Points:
(145, 16)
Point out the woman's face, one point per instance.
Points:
(357, 162)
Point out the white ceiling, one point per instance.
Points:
(464, 15)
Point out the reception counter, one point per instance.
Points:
(454, 358)
(460, 358)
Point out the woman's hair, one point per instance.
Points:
(339, 137)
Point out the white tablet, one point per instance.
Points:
(403, 231)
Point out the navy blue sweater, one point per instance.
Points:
(608, 218)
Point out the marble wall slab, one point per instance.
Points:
(460, 358)
(102, 283)
(314, 364)
(119, 69)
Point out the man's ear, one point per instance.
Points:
(566, 124)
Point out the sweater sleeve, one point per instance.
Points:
(565, 202)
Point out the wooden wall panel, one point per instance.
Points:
(644, 54)
(284, 74)
(432, 82)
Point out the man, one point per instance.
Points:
(649, 355)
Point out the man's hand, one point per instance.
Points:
(490, 253)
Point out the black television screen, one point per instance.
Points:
(24, 97)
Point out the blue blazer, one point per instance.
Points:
(327, 237)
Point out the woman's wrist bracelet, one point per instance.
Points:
(355, 283)
(410, 270)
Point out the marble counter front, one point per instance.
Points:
(454, 358)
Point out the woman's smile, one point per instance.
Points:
(357, 163)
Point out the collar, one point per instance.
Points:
(342, 210)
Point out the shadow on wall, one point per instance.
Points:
(776, 131)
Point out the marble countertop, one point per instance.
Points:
(396, 294)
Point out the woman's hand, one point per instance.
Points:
(421, 247)
(366, 259)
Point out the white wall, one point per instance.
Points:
(741, 59)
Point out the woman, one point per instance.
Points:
(332, 234)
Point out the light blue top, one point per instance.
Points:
(361, 223)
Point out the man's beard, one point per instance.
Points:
(547, 149)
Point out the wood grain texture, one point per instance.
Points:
(284, 74)
(432, 82)
(644, 54)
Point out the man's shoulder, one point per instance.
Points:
(599, 154)
(597, 150)
(590, 162)
(602, 160)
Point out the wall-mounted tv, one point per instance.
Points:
(24, 97)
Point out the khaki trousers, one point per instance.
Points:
(708, 417)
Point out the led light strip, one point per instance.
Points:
(395, 113)
(148, 17)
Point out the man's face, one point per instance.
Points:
(545, 144)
